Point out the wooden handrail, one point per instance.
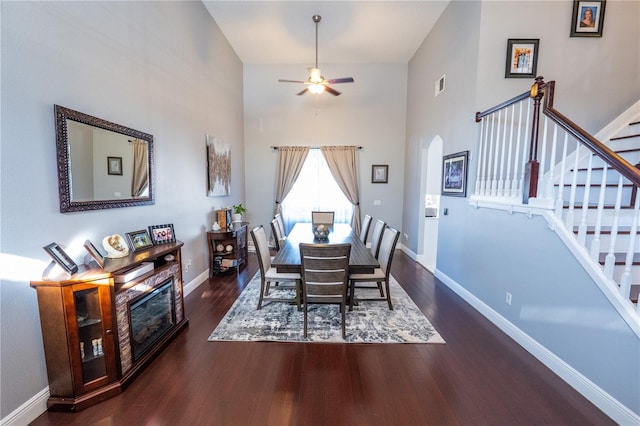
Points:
(520, 97)
(609, 156)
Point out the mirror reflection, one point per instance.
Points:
(101, 164)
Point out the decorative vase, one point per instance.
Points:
(215, 227)
(236, 217)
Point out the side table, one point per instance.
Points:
(228, 249)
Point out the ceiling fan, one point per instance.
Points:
(316, 83)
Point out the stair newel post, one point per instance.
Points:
(532, 167)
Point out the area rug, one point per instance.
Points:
(370, 322)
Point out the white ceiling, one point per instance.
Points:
(283, 32)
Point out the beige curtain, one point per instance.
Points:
(343, 163)
(290, 161)
(140, 178)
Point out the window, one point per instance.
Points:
(315, 189)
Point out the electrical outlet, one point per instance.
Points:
(187, 265)
(406, 236)
(508, 299)
(377, 202)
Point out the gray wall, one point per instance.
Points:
(370, 113)
(555, 302)
(159, 67)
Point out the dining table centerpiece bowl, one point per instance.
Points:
(320, 232)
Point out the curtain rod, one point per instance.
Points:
(275, 148)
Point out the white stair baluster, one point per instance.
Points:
(508, 177)
(625, 281)
(494, 181)
(552, 165)
(610, 260)
(480, 164)
(503, 150)
(543, 162)
(595, 243)
(572, 193)
(560, 194)
(582, 228)
(514, 184)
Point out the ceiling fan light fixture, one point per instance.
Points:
(316, 89)
(315, 76)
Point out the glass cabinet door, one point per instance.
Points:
(90, 336)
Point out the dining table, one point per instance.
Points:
(361, 261)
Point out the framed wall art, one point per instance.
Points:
(162, 234)
(454, 174)
(139, 240)
(114, 166)
(218, 167)
(522, 58)
(587, 18)
(380, 173)
(61, 258)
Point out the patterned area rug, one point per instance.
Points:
(370, 322)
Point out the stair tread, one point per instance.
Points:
(620, 258)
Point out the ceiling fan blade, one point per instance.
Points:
(332, 91)
(340, 80)
(291, 81)
(303, 92)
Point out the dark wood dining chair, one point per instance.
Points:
(269, 274)
(376, 237)
(380, 275)
(277, 234)
(364, 230)
(325, 274)
(325, 218)
(278, 218)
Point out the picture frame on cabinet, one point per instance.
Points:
(139, 240)
(61, 257)
(587, 18)
(95, 254)
(162, 234)
(522, 58)
(454, 174)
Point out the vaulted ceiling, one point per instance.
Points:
(283, 32)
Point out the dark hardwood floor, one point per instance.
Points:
(479, 377)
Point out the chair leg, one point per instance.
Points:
(343, 309)
(262, 286)
(389, 296)
(380, 289)
(305, 320)
(352, 289)
(298, 295)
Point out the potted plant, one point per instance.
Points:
(238, 211)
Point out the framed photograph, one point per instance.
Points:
(522, 58)
(61, 258)
(587, 18)
(93, 251)
(379, 173)
(162, 234)
(139, 240)
(114, 166)
(454, 174)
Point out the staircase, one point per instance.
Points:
(535, 160)
(600, 236)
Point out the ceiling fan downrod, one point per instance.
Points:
(316, 19)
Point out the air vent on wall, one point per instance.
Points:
(439, 86)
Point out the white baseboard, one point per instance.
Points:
(29, 411)
(620, 413)
(195, 283)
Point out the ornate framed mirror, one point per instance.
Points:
(86, 148)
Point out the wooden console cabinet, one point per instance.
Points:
(93, 344)
(228, 250)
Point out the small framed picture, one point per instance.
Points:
(587, 18)
(454, 174)
(93, 251)
(522, 58)
(114, 166)
(139, 240)
(379, 173)
(61, 258)
(162, 234)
